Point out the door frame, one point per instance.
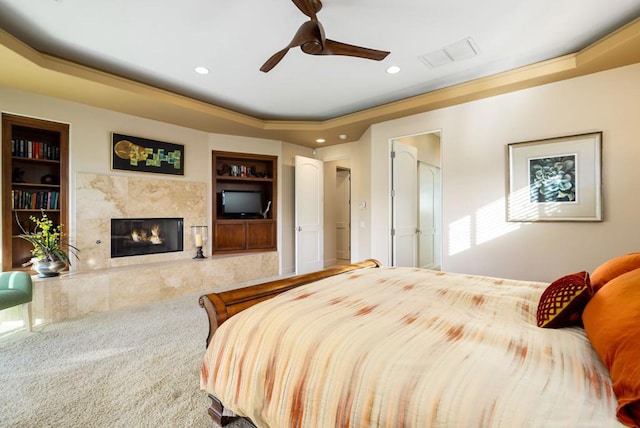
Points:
(400, 138)
(348, 208)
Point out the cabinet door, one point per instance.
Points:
(261, 235)
(229, 236)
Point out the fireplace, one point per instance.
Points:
(142, 236)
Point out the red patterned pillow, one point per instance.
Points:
(562, 303)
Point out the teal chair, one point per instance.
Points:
(16, 289)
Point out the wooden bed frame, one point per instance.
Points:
(222, 306)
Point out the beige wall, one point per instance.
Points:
(477, 239)
(428, 145)
(364, 194)
(90, 153)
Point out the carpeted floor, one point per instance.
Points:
(133, 367)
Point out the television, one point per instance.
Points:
(241, 203)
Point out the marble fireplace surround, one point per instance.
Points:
(99, 198)
(99, 283)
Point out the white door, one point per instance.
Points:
(404, 194)
(429, 207)
(309, 203)
(343, 214)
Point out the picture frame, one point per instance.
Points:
(555, 179)
(129, 153)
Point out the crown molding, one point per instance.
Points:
(26, 69)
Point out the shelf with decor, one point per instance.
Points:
(244, 202)
(34, 181)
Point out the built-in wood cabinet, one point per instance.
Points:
(243, 180)
(34, 179)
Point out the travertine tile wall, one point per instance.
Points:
(76, 294)
(99, 283)
(99, 198)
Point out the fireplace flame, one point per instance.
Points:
(155, 235)
(141, 235)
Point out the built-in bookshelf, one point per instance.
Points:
(34, 180)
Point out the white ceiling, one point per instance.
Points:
(160, 42)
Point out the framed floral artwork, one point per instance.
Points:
(555, 179)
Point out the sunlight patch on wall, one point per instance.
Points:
(460, 235)
(490, 222)
(521, 207)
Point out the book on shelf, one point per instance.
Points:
(24, 148)
(29, 200)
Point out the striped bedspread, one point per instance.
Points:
(402, 347)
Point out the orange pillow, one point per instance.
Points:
(562, 302)
(613, 268)
(612, 323)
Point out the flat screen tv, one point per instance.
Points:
(241, 203)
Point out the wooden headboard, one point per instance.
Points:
(222, 306)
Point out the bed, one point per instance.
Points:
(370, 346)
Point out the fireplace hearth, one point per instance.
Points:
(142, 236)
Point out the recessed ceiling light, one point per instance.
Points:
(320, 140)
(343, 136)
(202, 70)
(393, 69)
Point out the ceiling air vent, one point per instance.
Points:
(464, 49)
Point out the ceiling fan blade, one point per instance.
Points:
(331, 47)
(308, 37)
(274, 60)
(308, 7)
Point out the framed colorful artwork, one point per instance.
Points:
(144, 155)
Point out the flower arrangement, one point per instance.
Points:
(47, 241)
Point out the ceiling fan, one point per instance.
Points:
(311, 39)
